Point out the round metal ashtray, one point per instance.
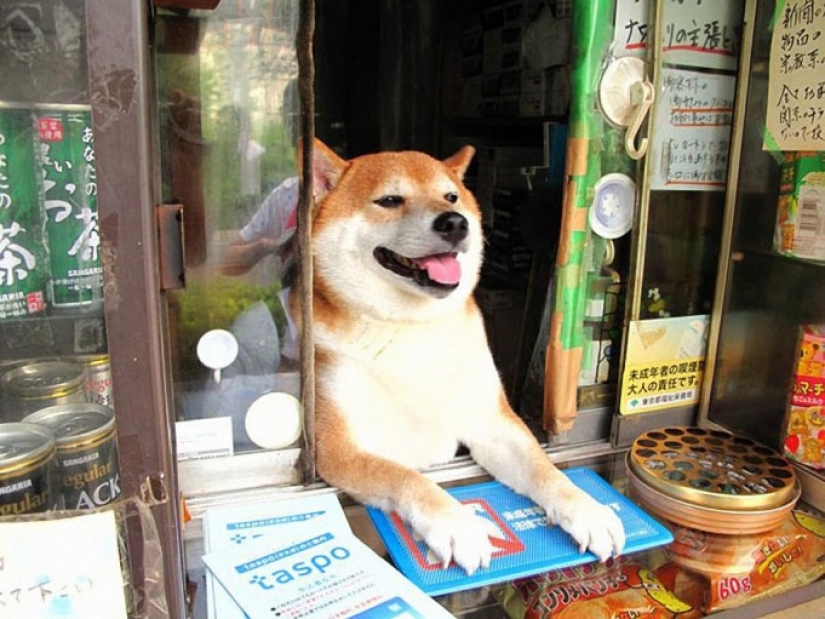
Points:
(711, 480)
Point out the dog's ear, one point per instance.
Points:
(460, 161)
(327, 168)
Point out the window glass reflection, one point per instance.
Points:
(227, 83)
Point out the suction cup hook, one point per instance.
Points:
(217, 349)
(614, 200)
(625, 97)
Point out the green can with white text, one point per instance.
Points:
(22, 254)
(66, 158)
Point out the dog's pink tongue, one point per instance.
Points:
(442, 268)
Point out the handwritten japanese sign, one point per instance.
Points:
(694, 33)
(665, 363)
(796, 89)
(66, 568)
(702, 33)
(691, 136)
(630, 28)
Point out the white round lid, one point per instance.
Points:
(217, 349)
(274, 420)
(611, 212)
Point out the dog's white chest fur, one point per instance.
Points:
(409, 388)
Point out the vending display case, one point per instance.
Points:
(149, 243)
(766, 291)
(80, 294)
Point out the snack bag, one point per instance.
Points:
(803, 429)
(616, 589)
(800, 220)
(714, 572)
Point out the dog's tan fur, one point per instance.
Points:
(404, 373)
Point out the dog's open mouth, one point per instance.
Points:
(438, 271)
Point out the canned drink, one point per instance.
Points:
(28, 388)
(87, 460)
(22, 254)
(27, 469)
(66, 158)
(98, 379)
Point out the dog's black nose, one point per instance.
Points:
(451, 226)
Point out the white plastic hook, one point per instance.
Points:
(641, 97)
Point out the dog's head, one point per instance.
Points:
(395, 234)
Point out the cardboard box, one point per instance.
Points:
(803, 429)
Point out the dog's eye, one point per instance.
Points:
(389, 201)
(451, 197)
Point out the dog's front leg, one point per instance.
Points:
(451, 531)
(506, 448)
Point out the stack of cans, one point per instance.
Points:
(58, 445)
(61, 457)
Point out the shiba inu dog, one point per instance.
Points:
(404, 374)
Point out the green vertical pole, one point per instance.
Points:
(592, 33)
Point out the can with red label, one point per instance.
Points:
(22, 253)
(66, 158)
(27, 469)
(98, 379)
(87, 460)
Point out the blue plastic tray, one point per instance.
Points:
(529, 546)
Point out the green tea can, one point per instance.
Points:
(87, 459)
(22, 254)
(27, 469)
(66, 157)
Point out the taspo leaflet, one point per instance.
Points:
(317, 571)
(230, 529)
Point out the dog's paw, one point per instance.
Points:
(594, 527)
(460, 536)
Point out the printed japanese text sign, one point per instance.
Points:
(796, 98)
(664, 363)
(525, 544)
(67, 567)
(235, 528)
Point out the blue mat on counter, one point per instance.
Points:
(528, 545)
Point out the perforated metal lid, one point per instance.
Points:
(713, 469)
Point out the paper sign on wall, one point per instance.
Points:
(664, 363)
(796, 97)
(691, 138)
(702, 33)
(630, 28)
(66, 568)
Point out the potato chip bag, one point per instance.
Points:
(618, 589)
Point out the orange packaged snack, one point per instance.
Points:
(803, 428)
(714, 572)
(618, 589)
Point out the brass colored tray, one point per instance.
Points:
(708, 519)
(712, 469)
